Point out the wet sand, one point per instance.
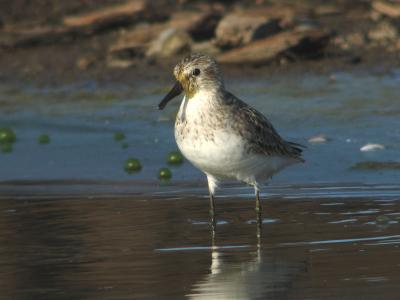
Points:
(159, 247)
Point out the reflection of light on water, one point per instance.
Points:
(219, 222)
(386, 242)
(375, 279)
(264, 221)
(343, 241)
(343, 221)
(361, 212)
(197, 248)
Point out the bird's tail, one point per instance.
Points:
(297, 149)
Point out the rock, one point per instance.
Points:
(285, 13)
(388, 9)
(132, 44)
(371, 147)
(241, 28)
(115, 15)
(326, 10)
(383, 33)
(320, 138)
(356, 39)
(352, 40)
(170, 42)
(84, 63)
(199, 24)
(295, 42)
(82, 25)
(12, 37)
(206, 47)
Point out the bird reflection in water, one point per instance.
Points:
(264, 275)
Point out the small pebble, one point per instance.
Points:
(320, 138)
(371, 147)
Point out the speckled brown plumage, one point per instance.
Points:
(261, 136)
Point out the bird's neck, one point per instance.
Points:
(204, 101)
(208, 96)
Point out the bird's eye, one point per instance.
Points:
(196, 72)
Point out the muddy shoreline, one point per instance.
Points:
(37, 44)
(35, 68)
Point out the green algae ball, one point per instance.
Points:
(43, 139)
(175, 158)
(132, 165)
(6, 148)
(7, 135)
(125, 145)
(119, 136)
(164, 174)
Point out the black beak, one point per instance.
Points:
(175, 91)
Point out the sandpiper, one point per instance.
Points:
(223, 136)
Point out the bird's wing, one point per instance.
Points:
(258, 131)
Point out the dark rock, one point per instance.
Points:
(311, 45)
(354, 60)
(199, 24)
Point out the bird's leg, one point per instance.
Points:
(212, 184)
(258, 214)
(212, 216)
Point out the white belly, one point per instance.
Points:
(225, 157)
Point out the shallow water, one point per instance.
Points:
(74, 225)
(350, 109)
(158, 247)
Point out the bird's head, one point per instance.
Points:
(194, 73)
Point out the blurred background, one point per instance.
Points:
(97, 203)
(74, 36)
